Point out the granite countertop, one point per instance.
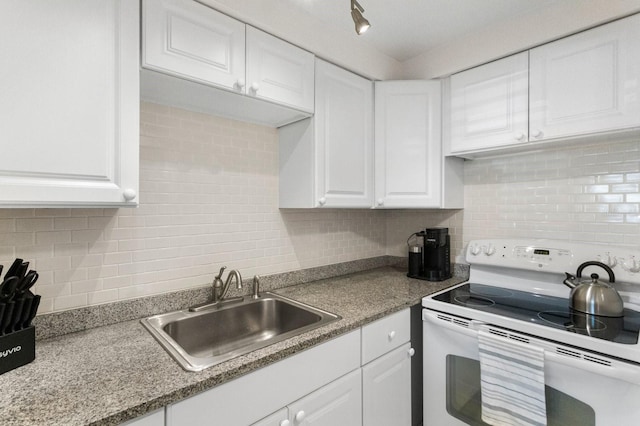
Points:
(109, 374)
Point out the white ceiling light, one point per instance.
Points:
(362, 24)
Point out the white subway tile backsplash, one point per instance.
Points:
(593, 196)
(209, 197)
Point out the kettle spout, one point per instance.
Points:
(569, 281)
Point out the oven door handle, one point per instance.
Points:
(451, 322)
(618, 370)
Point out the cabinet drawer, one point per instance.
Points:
(385, 335)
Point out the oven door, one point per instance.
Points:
(582, 388)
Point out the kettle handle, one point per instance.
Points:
(612, 277)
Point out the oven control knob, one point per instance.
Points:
(474, 250)
(489, 250)
(631, 265)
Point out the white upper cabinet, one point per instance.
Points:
(409, 168)
(278, 71)
(573, 88)
(189, 40)
(69, 109)
(490, 105)
(327, 161)
(587, 83)
(224, 67)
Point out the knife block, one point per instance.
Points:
(17, 349)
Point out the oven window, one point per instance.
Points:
(464, 403)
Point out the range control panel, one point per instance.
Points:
(554, 256)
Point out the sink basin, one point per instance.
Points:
(198, 340)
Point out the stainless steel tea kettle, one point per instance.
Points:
(592, 296)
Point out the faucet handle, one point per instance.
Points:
(219, 276)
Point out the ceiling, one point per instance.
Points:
(403, 29)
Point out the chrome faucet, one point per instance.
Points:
(219, 290)
(233, 273)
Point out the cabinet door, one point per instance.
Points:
(338, 403)
(490, 105)
(408, 153)
(586, 83)
(192, 41)
(278, 71)
(69, 109)
(343, 138)
(279, 418)
(386, 389)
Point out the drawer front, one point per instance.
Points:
(385, 335)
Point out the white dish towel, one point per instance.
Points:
(512, 382)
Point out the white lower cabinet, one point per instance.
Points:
(386, 373)
(338, 403)
(279, 418)
(386, 389)
(250, 398)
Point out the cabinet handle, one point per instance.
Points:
(285, 422)
(240, 83)
(520, 137)
(411, 352)
(538, 134)
(392, 334)
(129, 194)
(322, 201)
(380, 201)
(255, 86)
(299, 417)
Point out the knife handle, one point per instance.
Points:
(6, 318)
(2, 308)
(14, 322)
(26, 311)
(34, 308)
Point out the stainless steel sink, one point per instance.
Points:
(198, 340)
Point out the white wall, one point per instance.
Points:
(515, 35)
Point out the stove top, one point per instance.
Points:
(548, 311)
(517, 284)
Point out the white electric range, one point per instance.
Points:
(515, 293)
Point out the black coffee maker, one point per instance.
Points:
(430, 261)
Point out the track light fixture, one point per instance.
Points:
(362, 24)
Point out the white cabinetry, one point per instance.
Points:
(69, 110)
(327, 161)
(192, 41)
(250, 398)
(386, 389)
(278, 71)
(410, 171)
(578, 87)
(263, 79)
(586, 83)
(490, 105)
(386, 374)
(338, 403)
